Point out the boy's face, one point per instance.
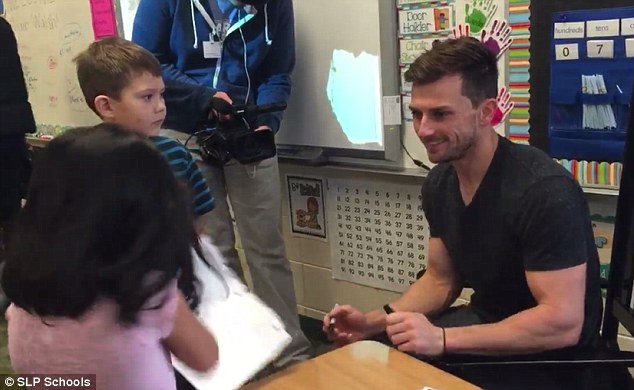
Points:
(141, 107)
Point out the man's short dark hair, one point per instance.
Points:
(464, 56)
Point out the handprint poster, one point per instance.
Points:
(479, 14)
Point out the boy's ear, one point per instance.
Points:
(103, 105)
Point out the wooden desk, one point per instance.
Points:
(365, 365)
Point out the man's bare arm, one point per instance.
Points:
(555, 322)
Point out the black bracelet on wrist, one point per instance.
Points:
(388, 309)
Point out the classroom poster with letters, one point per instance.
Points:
(307, 208)
(49, 35)
(421, 23)
(410, 49)
(425, 18)
(379, 235)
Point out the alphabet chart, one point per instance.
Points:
(379, 235)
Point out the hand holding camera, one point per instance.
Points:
(231, 133)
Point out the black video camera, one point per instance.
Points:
(222, 140)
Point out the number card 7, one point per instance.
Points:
(600, 49)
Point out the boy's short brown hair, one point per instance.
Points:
(107, 66)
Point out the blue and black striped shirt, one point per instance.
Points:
(184, 167)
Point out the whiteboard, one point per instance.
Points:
(50, 34)
(345, 64)
(127, 10)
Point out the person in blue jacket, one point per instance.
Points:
(242, 52)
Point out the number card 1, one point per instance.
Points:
(379, 235)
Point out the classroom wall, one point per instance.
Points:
(311, 262)
(317, 291)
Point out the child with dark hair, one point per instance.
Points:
(92, 269)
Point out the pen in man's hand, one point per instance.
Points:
(331, 324)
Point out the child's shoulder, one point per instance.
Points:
(166, 142)
(170, 147)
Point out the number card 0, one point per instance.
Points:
(379, 235)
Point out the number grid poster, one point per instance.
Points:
(379, 235)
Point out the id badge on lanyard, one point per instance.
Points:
(212, 49)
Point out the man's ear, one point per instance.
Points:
(103, 106)
(487, 111)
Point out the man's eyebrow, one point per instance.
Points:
(438, 108)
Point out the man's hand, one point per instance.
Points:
(214, 113)
(412, 332)
(350, 325)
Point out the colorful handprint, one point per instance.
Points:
(497, 38)
(459, 30)
(505, 105)
(479, 14)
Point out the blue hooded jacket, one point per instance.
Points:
(174, 31)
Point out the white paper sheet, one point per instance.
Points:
(249, 334)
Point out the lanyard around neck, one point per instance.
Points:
(208, 18)
(210, 21)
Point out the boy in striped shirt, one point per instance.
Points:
(122, 83)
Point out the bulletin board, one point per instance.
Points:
(379, 235)
(424, 21)
(540, 58)
(592, 57)
(49, 35)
